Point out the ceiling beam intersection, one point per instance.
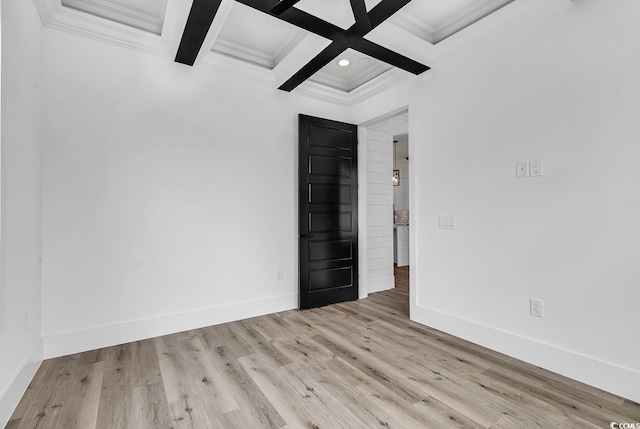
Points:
(283, 6)
(204, 11)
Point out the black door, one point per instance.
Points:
(328, 183)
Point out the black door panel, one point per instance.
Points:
(328, 186)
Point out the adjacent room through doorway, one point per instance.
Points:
(401, 218)
(387, 207)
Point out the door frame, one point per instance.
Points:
(362, 196)
(363, 254)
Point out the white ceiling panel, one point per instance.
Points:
(145, 15)
(337, 12)
(436, 20)
(371, 3)
(254, 37)
(361, 69)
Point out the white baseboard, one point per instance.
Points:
(12, 395)
(67, 343)
(378, 285)
(590, 370)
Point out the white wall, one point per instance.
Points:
(170, 196)
(562, 88)
(20, 236)
(144, 157)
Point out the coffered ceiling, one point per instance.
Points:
(244, 37)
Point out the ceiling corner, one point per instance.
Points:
(47, 9)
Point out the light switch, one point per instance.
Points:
(447, 222)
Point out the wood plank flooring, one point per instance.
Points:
(360, 364)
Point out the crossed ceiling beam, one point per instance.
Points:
(283, 6)
(204, 11)
(198, 23)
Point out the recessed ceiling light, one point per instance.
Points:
(344, 62)
(365, 60)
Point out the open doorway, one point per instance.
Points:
(379, 157)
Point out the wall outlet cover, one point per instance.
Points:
(522, 170)
(536, 307)
(535, 168)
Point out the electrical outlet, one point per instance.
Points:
(536, 307)
(522, 170)
(280, 274)
(535, 167)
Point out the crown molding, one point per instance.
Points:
(381, 83)
(411, 24)
(327, 79)
(236, 68)
(349, 85)
(122, 10)
(322, 92)
(475, 11)
(47, 9)
(243, 53)
(55, 16)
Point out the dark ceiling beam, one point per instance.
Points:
(322, 59)
(297, 17)
(283, 6)
(198, 24)
(388, 56)
(359, 9)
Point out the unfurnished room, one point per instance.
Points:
(319, 214)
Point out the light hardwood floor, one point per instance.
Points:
(361, 364)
